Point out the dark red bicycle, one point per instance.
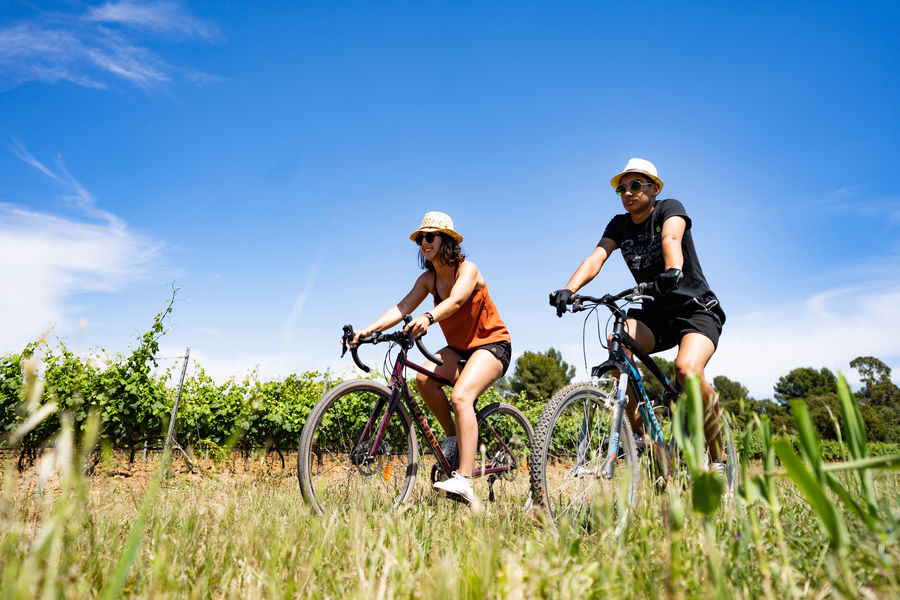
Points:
(358, 445)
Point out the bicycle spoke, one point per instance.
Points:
(338, 469)
(572, 439)
(504, 445)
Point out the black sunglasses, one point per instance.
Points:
(428, 237)
(635, 186)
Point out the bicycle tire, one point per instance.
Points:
(330, 478)
(565, 474)
(512, 450)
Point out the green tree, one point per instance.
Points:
(734, 399)
(538, 375)
(878, 389)
(823, 420)
(729, 391)
(879, 399)
(805, 382)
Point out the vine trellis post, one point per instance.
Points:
(167, 447)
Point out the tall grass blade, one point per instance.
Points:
(812, 489)
(809, 439)
(695, 416)
(889, 462)
(116, 583)
(855, 432)
(869, 517)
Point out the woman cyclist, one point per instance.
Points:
(474, 333)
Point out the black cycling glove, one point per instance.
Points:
(668, 280)
(559, 299)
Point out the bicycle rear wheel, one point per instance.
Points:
(505, 438)
(571, 442)
(333, 465)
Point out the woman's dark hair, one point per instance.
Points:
(450, 252)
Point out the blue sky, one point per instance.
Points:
(270, 159)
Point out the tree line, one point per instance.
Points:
(134, 404)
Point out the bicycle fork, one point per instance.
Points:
(609, 465)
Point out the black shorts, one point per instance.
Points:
(502, 350)
(669, 327)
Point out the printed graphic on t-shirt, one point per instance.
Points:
(643, 253)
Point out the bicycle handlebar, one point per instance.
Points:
(406, 340)
(641, 291)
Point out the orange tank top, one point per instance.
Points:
(476, 323)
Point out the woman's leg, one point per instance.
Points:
(432, 392)
(481, 370)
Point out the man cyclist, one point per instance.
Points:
(655, 238)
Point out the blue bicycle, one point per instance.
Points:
(585, 458)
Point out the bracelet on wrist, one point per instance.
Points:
(430, 317)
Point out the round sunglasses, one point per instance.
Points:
(635, 186)
(428, 237)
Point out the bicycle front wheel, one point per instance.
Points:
(336, 466)
(571, 443)
(505, 437)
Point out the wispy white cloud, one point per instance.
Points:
(224, 366)
(162, 17)
(828, 329)
(75, 194)
(47, 259)
(209, 331)
(855, 200)
(100, 47)
(287, 333)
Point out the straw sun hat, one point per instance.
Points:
(638, 165)
(438, 222)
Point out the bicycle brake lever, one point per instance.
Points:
(348, 334)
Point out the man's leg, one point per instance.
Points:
(694, 353)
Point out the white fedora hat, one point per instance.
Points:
(439, 222)
(638, 165)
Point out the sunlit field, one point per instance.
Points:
(241, 530)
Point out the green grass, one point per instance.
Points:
(248, 535)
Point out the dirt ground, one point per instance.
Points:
(113, 469)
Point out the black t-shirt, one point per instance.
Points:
(641, 245)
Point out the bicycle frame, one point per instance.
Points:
(627, 369)
(400, 389)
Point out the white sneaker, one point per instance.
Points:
(459, 485)
(450, 448)
(725, 473)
